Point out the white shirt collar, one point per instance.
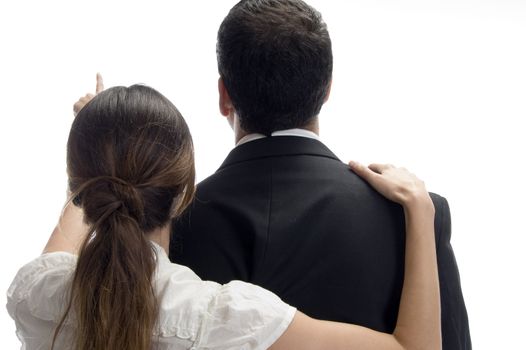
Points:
(288, 132)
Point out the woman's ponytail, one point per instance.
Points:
(112, 293)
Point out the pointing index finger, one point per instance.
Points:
(100, 84)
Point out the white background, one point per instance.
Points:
(436, 86)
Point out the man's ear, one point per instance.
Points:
(328, 91)
(225, 103)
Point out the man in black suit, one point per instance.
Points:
(283, 211)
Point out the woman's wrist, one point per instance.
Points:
(417, 202)
(420, 208)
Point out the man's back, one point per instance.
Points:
(284, 213)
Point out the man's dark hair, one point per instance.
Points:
(275, 58)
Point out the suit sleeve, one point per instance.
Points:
(455, 324)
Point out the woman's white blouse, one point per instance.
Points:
(194, 314)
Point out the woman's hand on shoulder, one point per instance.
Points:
(396, 184)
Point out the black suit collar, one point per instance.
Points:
(277, 146)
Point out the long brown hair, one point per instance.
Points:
(131, 168)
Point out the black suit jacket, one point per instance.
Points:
(284, 213)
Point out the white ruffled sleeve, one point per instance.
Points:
(243, 316)
(193, 313)
(38, 289)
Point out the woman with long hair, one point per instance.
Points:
(104, 280)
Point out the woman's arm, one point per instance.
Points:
(69, 233)
(418, 324)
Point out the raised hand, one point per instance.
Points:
(88, 97)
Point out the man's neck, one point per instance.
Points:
(314, 126)
(239, 133)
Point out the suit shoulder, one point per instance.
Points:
(440, 202)
(436, 197)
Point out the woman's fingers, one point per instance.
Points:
(396, 184)
(99, 87)
(364, 172)
(100, 84)
(370, 171)
(81, 103)
(379, 178)
(358, 168)
(380, 168)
